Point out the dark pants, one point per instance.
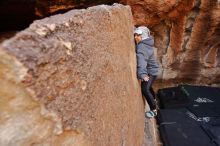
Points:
(147, 91)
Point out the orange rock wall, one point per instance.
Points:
(187, 37)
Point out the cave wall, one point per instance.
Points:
(69, 80)
(45, 8)
(186, 36)
(16, 14)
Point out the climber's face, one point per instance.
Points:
(137, 38)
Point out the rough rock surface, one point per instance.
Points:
(71, 80)
(44, 8)
(187, 37)
(186, 34)
(151, 135)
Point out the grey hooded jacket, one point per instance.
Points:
(146, 61)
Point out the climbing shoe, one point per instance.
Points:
(151, 114)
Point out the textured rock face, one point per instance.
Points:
(71, 80)
(186, 34)
(44, 8)
(187, 37)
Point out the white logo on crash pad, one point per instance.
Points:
(203, 100)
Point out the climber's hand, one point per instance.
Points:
(146, 78)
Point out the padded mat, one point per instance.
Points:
(189, 115)
(178, 129)
(174, 97)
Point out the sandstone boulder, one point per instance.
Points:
(70, 80)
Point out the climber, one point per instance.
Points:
(147, 66)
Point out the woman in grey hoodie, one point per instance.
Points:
(147, 66)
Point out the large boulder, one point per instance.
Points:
(70, 80)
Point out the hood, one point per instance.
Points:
(149, 41)
(143, 31)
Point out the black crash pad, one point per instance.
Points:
(203, 101)
(173, 97)
(213, 132)
(177, 128)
